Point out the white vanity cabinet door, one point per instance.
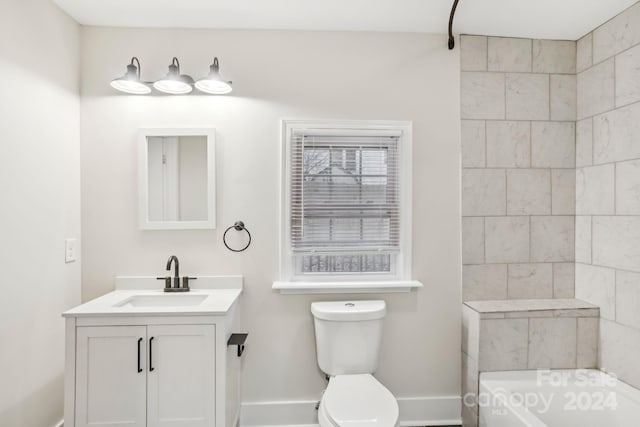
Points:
(110, 385)
(181, 376)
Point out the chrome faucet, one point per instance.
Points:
(176, 277)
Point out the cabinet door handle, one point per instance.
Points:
(139, 368)
(151, 368)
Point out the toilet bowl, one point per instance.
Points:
(357, 401)
(348, 337)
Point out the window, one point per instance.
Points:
(347, 201)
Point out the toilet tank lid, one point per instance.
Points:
(348, 310)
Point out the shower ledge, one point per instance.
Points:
(525, 308)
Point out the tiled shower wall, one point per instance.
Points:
(518, 167)
(608, 188)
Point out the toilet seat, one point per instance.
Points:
(358, 401)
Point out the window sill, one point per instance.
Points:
(361, 287)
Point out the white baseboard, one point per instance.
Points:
(430, 411)
(414, 411)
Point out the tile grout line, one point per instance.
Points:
(595, 64)
(546, 215)
(565, 168)
(610, 110)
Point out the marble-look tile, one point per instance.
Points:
(472, 240)
(564, 280)
(528, 192)
(593, 312)
(469, 378)
(583, 239)
(563, 97)
(470, 332)
(552, 343)
(627, 188)
(627, 81)
(616, 35)
(508, 144)
(563, 191)
(595, 190)
(473, 144)
(473, 53)
(554, 56)
(616, 135)
(528, 314)
(587, 348)
(484, 282)
(553, 144)
(628, 298)
(529, 305)
(530, 281)
(527, 96)
(620, 351)
(469, 417)
(509, 54)
(616, 242)
(552, 238)
(492, 315)
(482, 95)
(503, 344)
(597, 286)
(584, 142)
(484, 192)
(506, 239)
(596, 90)
(584, 56)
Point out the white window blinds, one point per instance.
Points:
(345, 202)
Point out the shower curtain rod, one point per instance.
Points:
(452, 42)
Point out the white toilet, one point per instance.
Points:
(348, 337)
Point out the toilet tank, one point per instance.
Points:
(348, 335)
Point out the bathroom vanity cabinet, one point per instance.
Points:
(155, 375)
(152, 366)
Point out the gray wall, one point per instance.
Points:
(608, 188)
(518, 101)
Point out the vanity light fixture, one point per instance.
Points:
(175, 83)
(213, 83)
(130, 82)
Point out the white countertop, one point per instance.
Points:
(219, 296)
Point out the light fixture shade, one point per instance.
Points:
(130, 82)
(175, 83)
(213, 83)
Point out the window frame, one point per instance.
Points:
(401, 264)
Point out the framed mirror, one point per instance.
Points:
(176, 178)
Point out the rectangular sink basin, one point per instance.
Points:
(167, 300)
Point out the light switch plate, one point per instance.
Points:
(70, 250)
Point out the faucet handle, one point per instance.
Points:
(167, 281)
(185, 282)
